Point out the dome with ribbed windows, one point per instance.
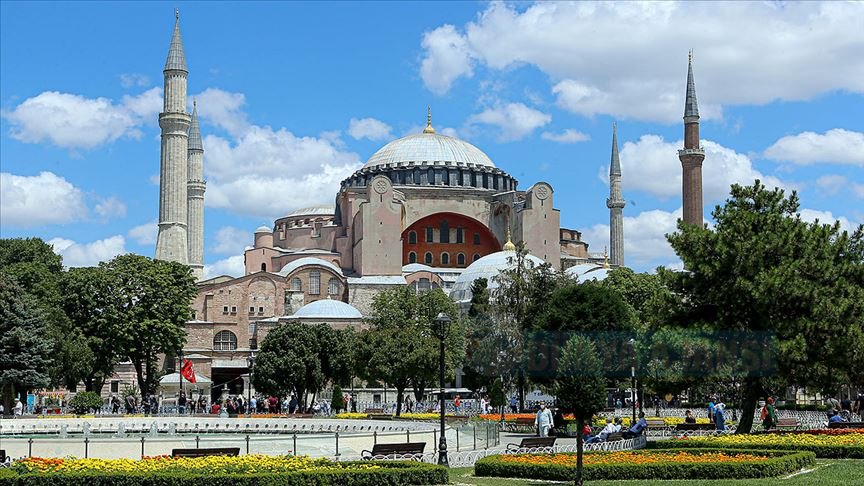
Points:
(428, 148)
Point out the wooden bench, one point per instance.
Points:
(532, 443)
(694, 427)
(614, 437)
(379, 416)
(521, 424)
(407, 450)
(374, 411)
(788, 424)
(4, 461)
(216, 451)
(846, 425)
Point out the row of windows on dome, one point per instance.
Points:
(443, 258)
(444, 234)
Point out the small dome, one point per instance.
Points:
(429, 147)
(263, 229)
(598, 274)
(487, 267)
(328, 309)
(576, 270)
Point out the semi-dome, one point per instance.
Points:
(429, 148)
(291, 266)
(328, 309)
(487, 267)
(313, 211)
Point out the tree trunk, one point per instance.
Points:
(88, 384)
(399, 390)
(752, 390)
(139, 375)
(580, 421)
(8, 396)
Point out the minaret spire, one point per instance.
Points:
(616, 204)
(195, 188)
(692, 155)
(171, 243)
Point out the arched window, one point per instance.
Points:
(412, 257)
(476, 238)
(476, 256)
(225, 341)
(460, 259)
(263, 267)
(427, 258)
(296, 284)
(412, 237)
(460, 236)
(429, 235)
(333, 287)
(445, 259)
(444, 231)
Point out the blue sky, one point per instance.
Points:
(295, 96)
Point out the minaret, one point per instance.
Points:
(616, 204)
(195, 187)
(171, 243)
(692, 155)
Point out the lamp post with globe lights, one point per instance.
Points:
(441, 328)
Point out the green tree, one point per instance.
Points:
(400, 347)
(85, 402)
(646, 293)
(89, 301)
(497, 398)
(580, 387)
(152, 300)
(762, 271)
(25, 346)
(338, 401)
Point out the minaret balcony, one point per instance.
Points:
(615, 203)
(691, 151)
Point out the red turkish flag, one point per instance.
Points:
(187, 372)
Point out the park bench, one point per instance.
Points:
(656, 425)
(4, 461)
(407, 450)
(614, 437)
(846, 425)
(528, 443)
(379, 416)
(374, 411)
(521, 424)
(788, 424)
(216, 451)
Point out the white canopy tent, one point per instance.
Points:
(170, 384)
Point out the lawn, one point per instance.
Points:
(828, 472)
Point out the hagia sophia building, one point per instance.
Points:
(426, 210)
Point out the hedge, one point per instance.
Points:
(780, 463)
(822, 451)
(391, 473)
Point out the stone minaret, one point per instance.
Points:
(171, 243)
(616, 204)
(692, 155)
(195, 188)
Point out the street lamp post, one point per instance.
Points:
(632, 343)
(442, 326)
(250, 361)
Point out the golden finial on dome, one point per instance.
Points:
(509, 246)
(605, 258)
(428, 128)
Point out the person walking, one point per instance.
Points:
(514, 404)
(543, 420)
(720, 416)
(768, 414)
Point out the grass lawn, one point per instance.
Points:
(828, 472)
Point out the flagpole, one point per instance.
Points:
(180, 372)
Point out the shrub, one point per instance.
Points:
(837, 446)
(86, 401)
(770, 464)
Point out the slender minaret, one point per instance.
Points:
(692, 155)
(616, 204)
(171, 243)
(195, 188)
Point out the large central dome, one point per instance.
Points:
(430, 148)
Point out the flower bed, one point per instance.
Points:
(647, 464)
(823, 443)
(218, 470)
(597, 422)
(404, 416)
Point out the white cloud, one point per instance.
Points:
(27, 201)
(222, 109)
(132, 80)
(645, 244)
(651, 164)
(369, 128)
(831, 184)
(73, 121)
(858, 190)
(837, 146)
(146, 233)
(267, 172)
(826, 217)
(448, 57)
(515, 120)
(88, 254)
(569, 135)
(231, 241)
(234, 266)
(110, 207)
(595, 69)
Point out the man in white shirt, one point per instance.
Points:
(610, 428)
(543, 421)
(18, 409)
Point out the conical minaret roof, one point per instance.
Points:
(195, 130)
(691, 109)
(615, 164)
(176, 59)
